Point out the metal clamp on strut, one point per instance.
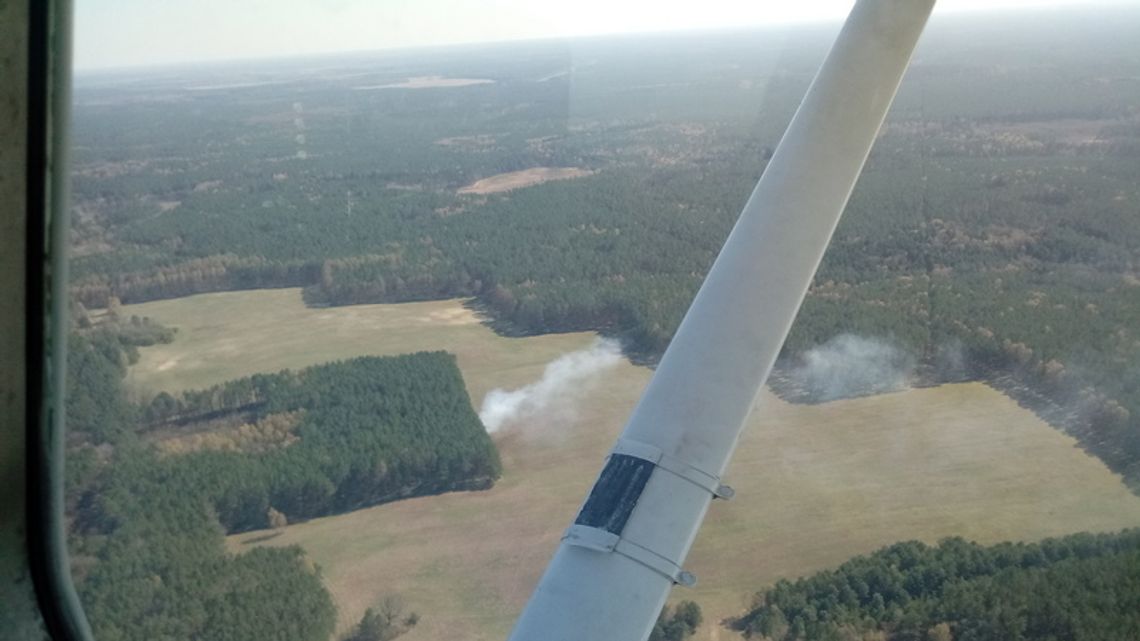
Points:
(592, 538)
(702, 479)
(603, 517)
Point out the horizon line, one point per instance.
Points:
(828, 21)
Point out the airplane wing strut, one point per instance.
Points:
(625, 550)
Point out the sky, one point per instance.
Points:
(130, 33)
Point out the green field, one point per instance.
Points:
(229, 335)
(815, 484)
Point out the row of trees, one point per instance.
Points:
(1081, 587)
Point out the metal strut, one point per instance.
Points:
(690, 416)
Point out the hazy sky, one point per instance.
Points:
(116, 33)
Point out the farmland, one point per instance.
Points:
(232, 334)
(815, 484)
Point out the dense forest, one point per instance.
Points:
(326, 439)
(152, 489)
(996, 219)
(1078, 588)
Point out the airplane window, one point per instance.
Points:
(362, 295)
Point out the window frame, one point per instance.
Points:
(47, 217)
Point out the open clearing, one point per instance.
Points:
(523, 178)
(234, 334)
(815, 484)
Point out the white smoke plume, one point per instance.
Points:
(850, 365)
(563, 381)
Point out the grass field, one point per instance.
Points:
(815, 484)
(234, 334)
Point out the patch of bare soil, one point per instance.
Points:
(474, 142)
(524, 178)
(429, 82)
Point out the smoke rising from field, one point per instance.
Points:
(552, 397)
(950, 361)
(850, 365)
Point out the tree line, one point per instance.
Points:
(371, 429)
(148, 558)
(147, 523)
(1080, 588)
(1028, 264)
